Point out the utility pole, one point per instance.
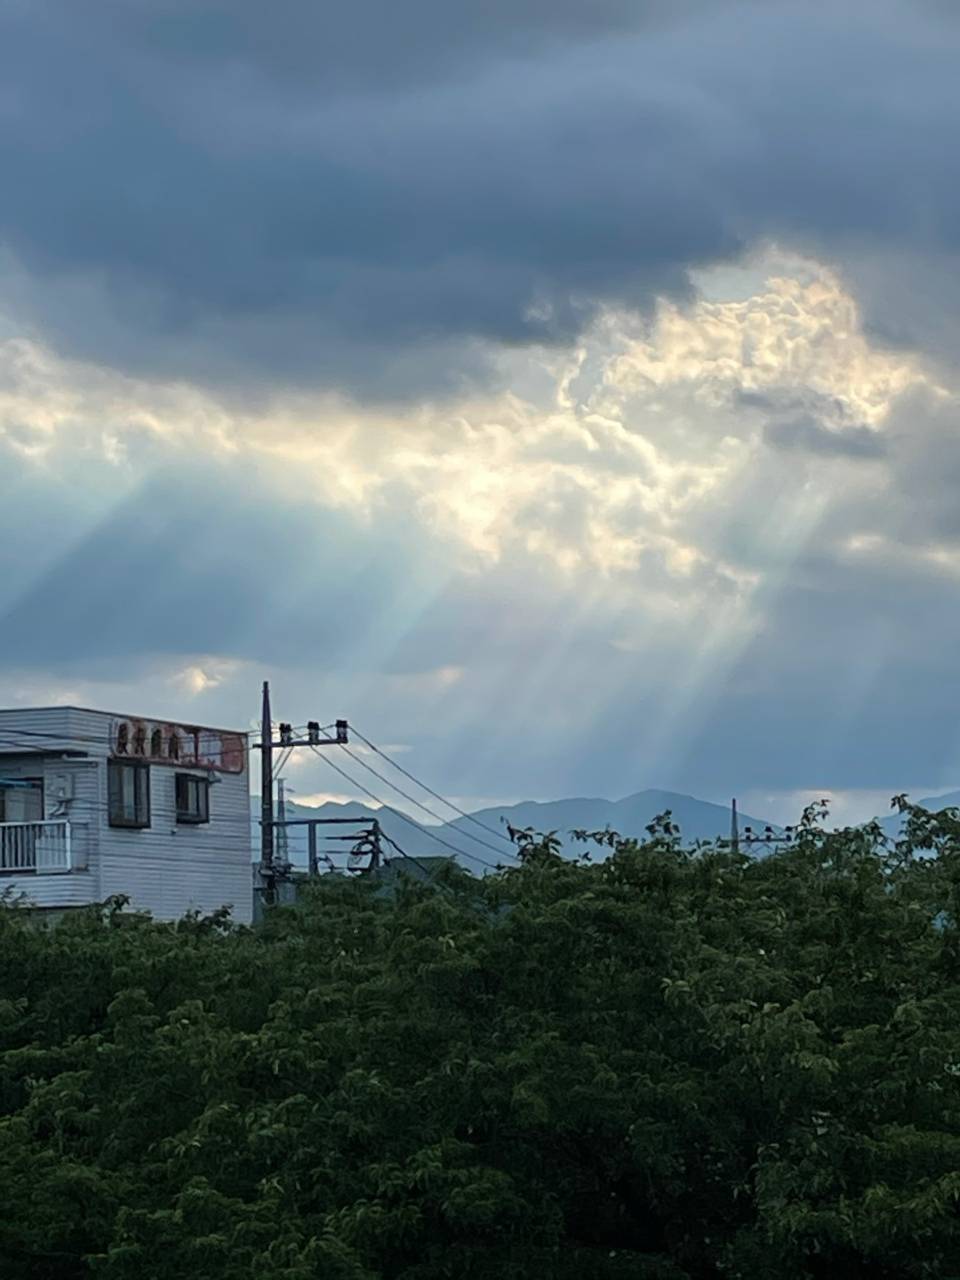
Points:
(268, 824)
(266, 785)
(769, 837)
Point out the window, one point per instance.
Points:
(128, 786)
(21, 800)
(193, 798)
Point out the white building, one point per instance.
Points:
(94, 804)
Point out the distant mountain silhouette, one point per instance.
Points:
(479, 849)
(893, 822)
(697, 819)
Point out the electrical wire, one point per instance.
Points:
(97, 806)
(410, 858)
(436, 794)
(398, 813)
(413, 800)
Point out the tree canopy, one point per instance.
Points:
(659, 1064)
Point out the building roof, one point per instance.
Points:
(28, 749)
(424, 868)
(125, 715)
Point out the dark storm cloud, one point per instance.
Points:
(366, 42)
(356, 194)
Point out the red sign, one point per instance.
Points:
(161, 743)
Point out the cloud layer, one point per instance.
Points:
(565, 391)
(327, 197)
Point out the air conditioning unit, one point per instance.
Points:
(61, 789)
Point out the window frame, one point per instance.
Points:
(201, 816)
(140, 770)
(33, 785)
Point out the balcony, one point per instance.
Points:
(36, 848)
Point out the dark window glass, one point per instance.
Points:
(193, 798)
(128, 785)
(21, 800)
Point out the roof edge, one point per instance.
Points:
(126, 715)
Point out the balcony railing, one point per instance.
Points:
(35, 847)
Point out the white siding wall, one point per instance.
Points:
(168, 868)
(39, 726)
(70, 889)
(82, 811)
(82, 886)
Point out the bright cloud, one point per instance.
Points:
(196, 679)
(639, 439)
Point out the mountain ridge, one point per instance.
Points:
(484, 849)
(892, 823)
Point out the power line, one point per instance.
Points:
(436, 794)
(413, 800)
(429, 879)
(398, 813)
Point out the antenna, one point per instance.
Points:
(281, 836)
(734, 827)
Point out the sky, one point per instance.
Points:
(563, 391)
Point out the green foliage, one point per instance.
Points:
(659, 1063)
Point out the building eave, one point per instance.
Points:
(125, 715)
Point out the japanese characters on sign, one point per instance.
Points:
(177, 744)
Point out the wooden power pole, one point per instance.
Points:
(268, 824)
(266, 784)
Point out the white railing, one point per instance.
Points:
(41, 847)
